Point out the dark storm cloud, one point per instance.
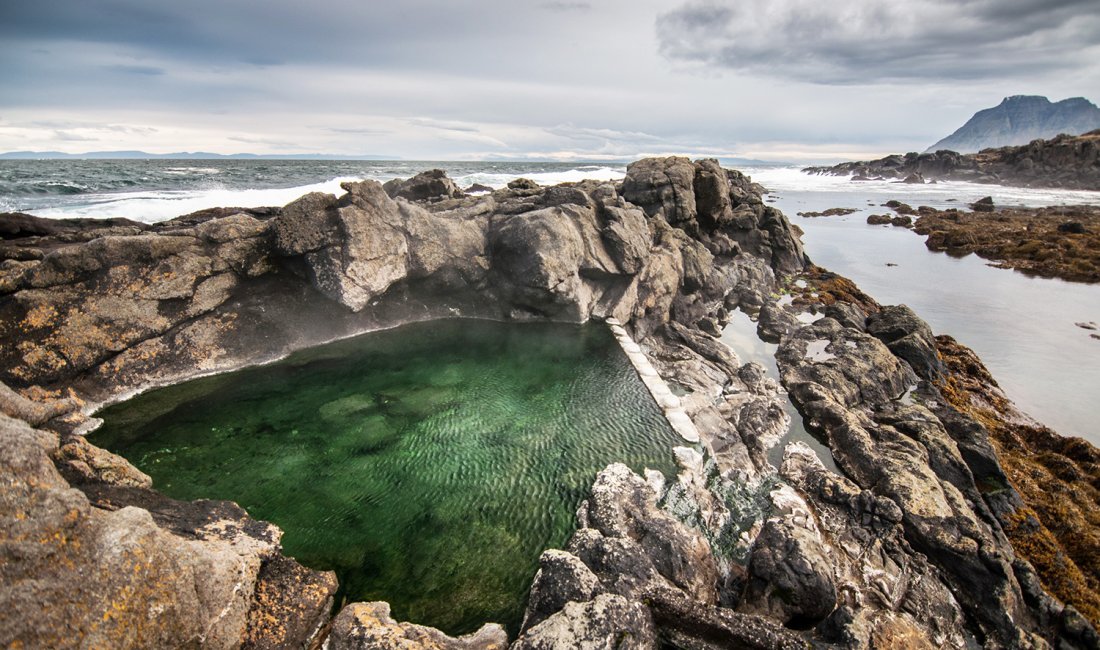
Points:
(265, 33)
(883, 40)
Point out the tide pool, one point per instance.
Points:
(428, 465)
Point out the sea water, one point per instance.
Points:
(156, 190)
(428, 465)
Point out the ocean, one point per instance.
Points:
(1022, 327)
(155, 190)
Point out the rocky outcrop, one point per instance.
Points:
(909, 549)
(1020, 119)
(633, 573)
(722, 208)
(104, 309)
(1068, 161)
(431, 185)
(1058, 480)
(107, 313)
(875, 390)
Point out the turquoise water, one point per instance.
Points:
(428, 465)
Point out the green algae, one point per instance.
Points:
(428, 465)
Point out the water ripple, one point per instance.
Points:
(428, 465)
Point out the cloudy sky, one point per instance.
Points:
(429, 79)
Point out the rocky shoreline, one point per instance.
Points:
(1071, 162)
(920, 544)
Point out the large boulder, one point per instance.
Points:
(712, 194)
(539, 254)
(624, 229)
(371, 252)
(562, 578)
(425, 186)
(451, 248)
(662, 186)
(306, 224)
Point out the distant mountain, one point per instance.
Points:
(1020, 119)
(181, 155)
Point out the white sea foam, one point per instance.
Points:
(576, 175)
(151, 207)
(154, 206)
(792, 179)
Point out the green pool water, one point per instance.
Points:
(428, 465)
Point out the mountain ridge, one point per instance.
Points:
(1018, 120)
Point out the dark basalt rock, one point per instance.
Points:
(934, 463)
(909, 338)
(983, 205)
(561, 578)
(523, 184)
(790, 576)
(663, 187)
(17, 225)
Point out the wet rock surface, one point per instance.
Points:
(924, 542)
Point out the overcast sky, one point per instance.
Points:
(428, 79)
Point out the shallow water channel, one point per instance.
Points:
(428, 465)
(1023, 328)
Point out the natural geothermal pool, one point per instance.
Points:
(428, 465)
